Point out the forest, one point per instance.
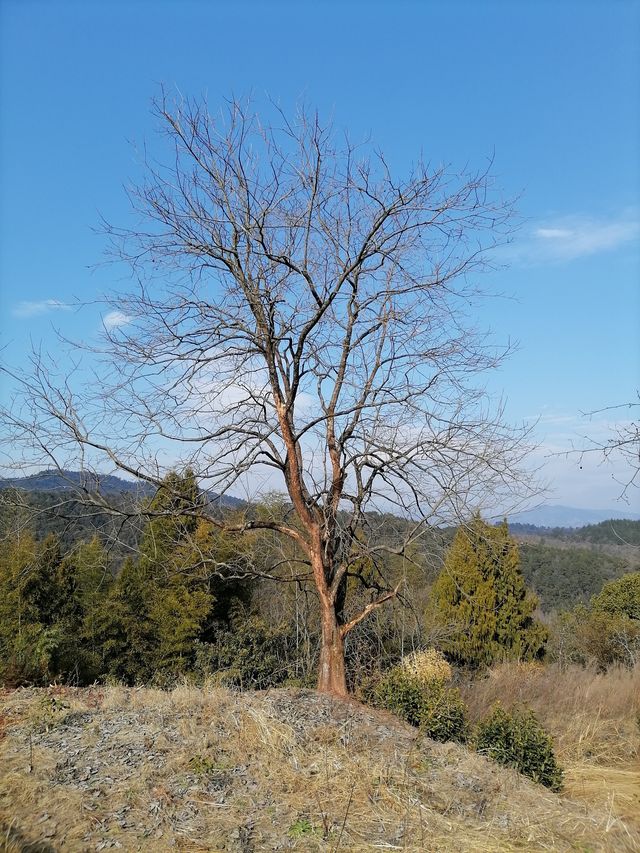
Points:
(151, 599)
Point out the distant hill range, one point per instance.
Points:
(550, 516)
(555, 515)
(564, 559)
(106, 484)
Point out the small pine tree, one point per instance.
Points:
(480, 595)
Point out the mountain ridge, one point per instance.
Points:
(544, 517)
(51, 480)
(559, 515)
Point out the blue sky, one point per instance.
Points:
(550, 90)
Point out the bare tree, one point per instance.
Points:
(300, 317)
(622, 445)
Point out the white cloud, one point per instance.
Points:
(574, 237)
(36, 309)
(115, 319)
(553, 233)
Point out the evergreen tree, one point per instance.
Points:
(124, 627)
(173, 564)
(481, 596)
(159, 605)
(31, 635)
(83, 582)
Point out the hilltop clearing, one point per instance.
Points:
(191, 769)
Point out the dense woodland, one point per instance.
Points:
(149, 598)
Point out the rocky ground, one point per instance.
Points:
(111, 768)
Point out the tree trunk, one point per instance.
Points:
(331, 673)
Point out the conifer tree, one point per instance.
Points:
(31, 634)
(481, 595)
(83, 582)
(171, 564)
(124, 627)
(159, 605)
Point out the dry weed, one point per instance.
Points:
(220, 771)
(594, 718)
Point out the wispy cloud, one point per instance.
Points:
(571, 237)
(554, 233)
(37, 309)
(115, 319)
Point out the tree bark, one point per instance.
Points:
(331, 671)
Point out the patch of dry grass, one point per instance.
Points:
(214, 770)
(594, 718)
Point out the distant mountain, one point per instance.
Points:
(546, 516)
(555, 515)
(56, 481)
(106, 484)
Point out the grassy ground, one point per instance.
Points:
(594, 719)
(212, 770)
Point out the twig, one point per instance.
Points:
(346, 815)
(325, 821)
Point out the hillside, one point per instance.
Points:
(67, 481)
(51, 502)
(54, 512)
(209, 770)
(558, 516)
(619, 532)
(613, 531)
(568, 575)
(106, 484)
(564, 566)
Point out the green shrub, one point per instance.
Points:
(620, 597)
(251, 655)
(437, 709)
(590, 635)
(302, 828)
(518, 740)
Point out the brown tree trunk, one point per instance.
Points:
(331, 672)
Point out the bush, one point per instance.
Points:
(595, 636)
(427, 666)
(251, 655)
(620, 597)
(433, 706)
(518, 740)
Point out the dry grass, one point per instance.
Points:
(214, 770)
(428, 665)
(593, 716)
(594, 719)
